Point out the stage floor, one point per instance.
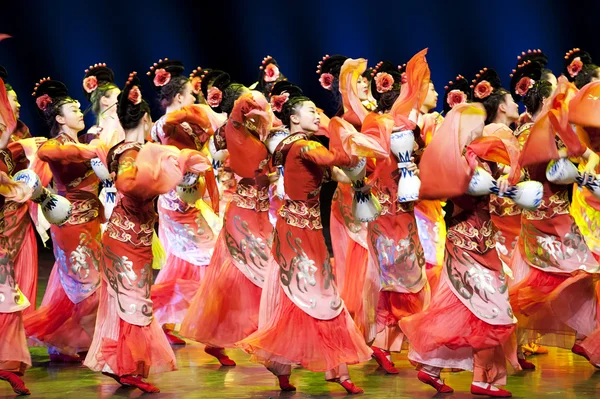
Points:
(560, 374)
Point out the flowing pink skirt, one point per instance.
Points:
(62, 324)
(14, 354)
(294, 337)
(175, 288)
(554, 306)
(124, 349)
(225, 308)
(26, 267)
(448, 322)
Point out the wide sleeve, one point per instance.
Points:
(55, 151)
(157, 169)
(372, 142)
(12, 190)
(553, 120)
(316, 153)
(198, 114)
(251, 110)
(445, 170)
(414, 91)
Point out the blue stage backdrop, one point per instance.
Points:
(61, 38)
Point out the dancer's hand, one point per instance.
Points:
(592, 162)
(587, 178)
(503, 185)
(413, 167)
(339, 176)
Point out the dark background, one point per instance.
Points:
(61, 38)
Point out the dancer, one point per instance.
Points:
(358, 280)
(393, 238)
(18, 216)
(553, 300)
(585, 208)
(127, 345)
(101, 91)
(469, 322)
(66, 322)
(326, 337)
(225, 308)
(184, 232)
(14, 354)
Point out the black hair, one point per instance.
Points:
(230, 94)
(459, 83)
(295, 100)
(492, 102)
(535, 96)
(128, 112)
(8, 87)
(586, 74)
(386, 100)
(130, 117)
(167, 93)
(58, 95)
(333, 66)
(291, 108)
(174, 86)
(53, 110)
(263, 86)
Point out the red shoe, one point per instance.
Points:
(15, 382)
(63, 358)
(381, 358)
(500, 393)
(116, 378)
(284, 383)
(351, 388)
(526, 365)
(578, 350)
(220, 355)
(173, 339)
(432, 381)
(139, 383)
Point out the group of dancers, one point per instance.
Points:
(437, 248)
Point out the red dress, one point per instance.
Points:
(14, 354)
(18, 217)
(66, 322)
(225, 308)
(396, 249)
(310, 324)
(186, 235)
(128, 339)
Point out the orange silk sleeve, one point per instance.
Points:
(414, 91)
(12, 190)
(157, 169)
(319, 155)
(199, 114)
(53, 150)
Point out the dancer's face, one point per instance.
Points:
(596, 75)
(71, 116)
(362, 86)
(510, 108)
(551, 78)
(431, 98)
(14, 103)
(109, 101)
(306, 117)
(186, 97)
